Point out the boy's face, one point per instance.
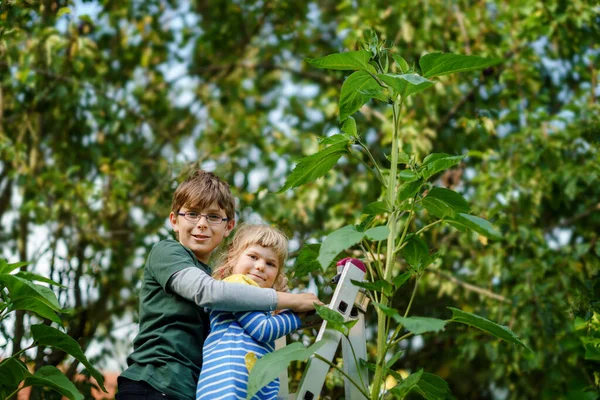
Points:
(201, 237)
(259, 264)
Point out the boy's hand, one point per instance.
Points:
(301, 302)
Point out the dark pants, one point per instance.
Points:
(134, 390)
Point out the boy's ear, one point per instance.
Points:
(229, 227)
(173, 220)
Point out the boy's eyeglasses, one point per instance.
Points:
(213, 219)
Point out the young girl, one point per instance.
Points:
(255, 257)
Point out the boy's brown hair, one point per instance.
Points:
(200, 190)
(249, 235)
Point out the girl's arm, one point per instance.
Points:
(264, 327)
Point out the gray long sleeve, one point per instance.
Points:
(196, 285)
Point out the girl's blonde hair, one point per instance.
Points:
(250, 235)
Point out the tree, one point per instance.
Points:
(101, 115)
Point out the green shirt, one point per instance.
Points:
(167, 352)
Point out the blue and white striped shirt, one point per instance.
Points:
(224, 373)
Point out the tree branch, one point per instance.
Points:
(471, 287)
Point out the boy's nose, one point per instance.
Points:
(202, 221)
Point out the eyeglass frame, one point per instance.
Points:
(185, 215)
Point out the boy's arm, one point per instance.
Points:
(265, 328)
(196, 285)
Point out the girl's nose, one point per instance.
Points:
(260, 265)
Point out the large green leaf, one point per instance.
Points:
(270, 366)
(477, 224)
(389, 311)
(36, 305)
(436, 162)
(437, 64)
(13, 371)
(443, 202)
(378, 233)
(407, 384)
(334, 319)
(420, 325)
(306, 262)
(401, 63)
(348, 61)
(51, 337)
(407, 84)
(30, 276)
(407, 175)
(432, 387)
(485, 325)
(351, 98)
(408, 189)
(349, 127)
(339, 138)
(315, 166)
(375, 208)
(6, 268)
(49, 376)
(31, 297)
(337, 241)
(401, 279)
(415, 252)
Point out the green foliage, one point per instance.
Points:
(102, 113)
(21, 293)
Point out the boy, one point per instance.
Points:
(176, 287)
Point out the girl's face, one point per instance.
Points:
(259, 264)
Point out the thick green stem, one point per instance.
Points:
(389, 261)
